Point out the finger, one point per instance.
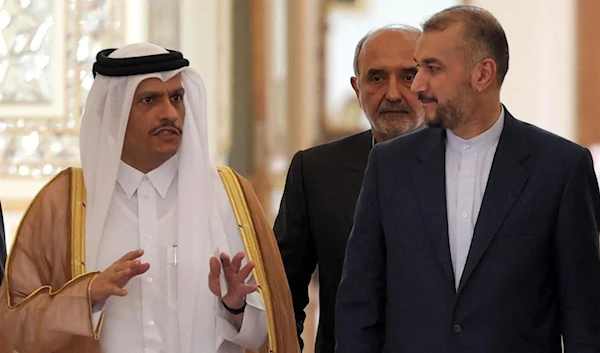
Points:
(121, 265)
(139, 269)
(225, 260)
(119, 276)
(119, 292)
(236, 263)
(215, 269)
(251, 288)
(132, 255)
(246, 270)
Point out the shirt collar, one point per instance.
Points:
(485, 139)
(161, 178)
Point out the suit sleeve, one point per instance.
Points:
(360, 308)
(295, 241)
(577, 259)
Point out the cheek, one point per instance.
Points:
(137, 130)
(372, 98)
(181, 113)
(412, 100)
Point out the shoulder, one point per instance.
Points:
(56, 190)
(546, 139)
(50, 206)
(343, 146)
(234, 181)
(326, 159)
(408, 144)
(548, 147)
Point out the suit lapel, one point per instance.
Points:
(351, 172)
(429, 179)
(507, 178)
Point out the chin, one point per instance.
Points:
(436, 122)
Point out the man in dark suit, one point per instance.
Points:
(317, 208)
(480, 233)
(2, 246)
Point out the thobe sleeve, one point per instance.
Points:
(253, 333)
(42, 309)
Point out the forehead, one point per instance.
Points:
(446, 44)
(156, 84)
(391, 48)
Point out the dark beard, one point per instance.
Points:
(436, 122)
(446, 116)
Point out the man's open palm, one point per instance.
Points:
(235, 275)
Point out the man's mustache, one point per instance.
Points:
(427, 99)
(388, 107)
(166, 125)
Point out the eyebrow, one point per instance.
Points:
(409, 70)
(154, 94)
(404, 70)
(429, 61)
(375, 72)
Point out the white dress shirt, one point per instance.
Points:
(143, 214)
(468, 165)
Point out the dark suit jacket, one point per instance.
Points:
(314, 221)
(532, 272)
(2, 246)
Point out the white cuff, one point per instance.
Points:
(253, 333)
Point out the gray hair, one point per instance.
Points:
(393, 27)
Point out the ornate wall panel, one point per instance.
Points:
(47, 49)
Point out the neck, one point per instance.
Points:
(144, 166)
(478, 120)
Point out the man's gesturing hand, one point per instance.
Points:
(115, 277)
(235, 275)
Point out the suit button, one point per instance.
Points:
(457, 328)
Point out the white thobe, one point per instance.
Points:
(143, 214)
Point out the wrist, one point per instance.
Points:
(235, 310)
(92, 292)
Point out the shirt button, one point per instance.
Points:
(145, 197)
(465, 214)
(467, 147)
(457, 328)
(149, 279)
(151, 322)
(148, 237)
(145, 178)
(468, 173)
